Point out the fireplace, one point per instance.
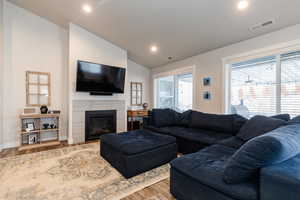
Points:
(98, 123)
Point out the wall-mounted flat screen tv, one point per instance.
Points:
(99, 78)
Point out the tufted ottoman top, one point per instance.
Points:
(139, 141)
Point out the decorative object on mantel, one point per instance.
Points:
(38, 88)
(207, 96)
(207, 81)
(145, 106)
(136, 93)
(44, 109)
(38, 124)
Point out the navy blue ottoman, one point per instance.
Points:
(135, 152)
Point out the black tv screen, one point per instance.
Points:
(98, 78)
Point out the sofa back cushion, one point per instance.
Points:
(269, 149)
(295, 120)
(220, 123)
(169, 117)
(284, 117)
(259, 125)
(183, 119)
(163, 117)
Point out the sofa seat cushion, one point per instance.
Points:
(207, 167)
(197, 135)
(233, 142)
(266, 150)
(156, 129)
(138, 141)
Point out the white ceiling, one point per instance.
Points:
(181, 28)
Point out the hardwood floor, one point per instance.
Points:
(158, 191)
(14, 151)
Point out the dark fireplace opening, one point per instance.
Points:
(98, 123)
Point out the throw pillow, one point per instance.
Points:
(238, 122)
(269, 149)
(183, 118)
(259, 125)
(164, 117)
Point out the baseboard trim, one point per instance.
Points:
(9, 145)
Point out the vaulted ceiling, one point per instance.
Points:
(180, 28)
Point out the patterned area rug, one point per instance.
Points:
(72, 173)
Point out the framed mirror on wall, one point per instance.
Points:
(38, 88)
(136, 93)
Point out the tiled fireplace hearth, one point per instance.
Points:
(81, 107)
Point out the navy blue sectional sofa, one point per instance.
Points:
(194, 130)
(256, 159)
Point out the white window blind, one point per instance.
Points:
(290, 83)
(266, 86)
(253, 87)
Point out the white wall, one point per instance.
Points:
(138, 73)
(31, 43)
(1, 71)
(86, 46)
(210, 64)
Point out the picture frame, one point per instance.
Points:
(207, 96)
(30, 126)
(32, 139)
(38, 89)
(207, 81)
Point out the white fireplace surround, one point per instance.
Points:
(79, 107)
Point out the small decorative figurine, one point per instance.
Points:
(145, 106)
(44, 109)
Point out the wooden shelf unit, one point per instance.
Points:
(132, 114)
(39, 120)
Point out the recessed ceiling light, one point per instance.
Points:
(87, 8)
(243, 4)
(153, 48)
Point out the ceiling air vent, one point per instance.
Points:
(262, 25)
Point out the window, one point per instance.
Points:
(266, 86)
(175, 92)
(38, 88)
(136, 93)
